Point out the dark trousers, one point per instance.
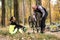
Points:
(19, 26)
(42, 24)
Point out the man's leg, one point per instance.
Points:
(42, 25)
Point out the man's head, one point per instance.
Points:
(34, 7)
(12, 18)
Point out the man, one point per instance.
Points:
(44, 14)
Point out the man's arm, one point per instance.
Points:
(42, 10)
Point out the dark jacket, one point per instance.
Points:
(16, 25)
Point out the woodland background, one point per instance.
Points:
(21, 9)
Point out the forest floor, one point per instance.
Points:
(4, 35)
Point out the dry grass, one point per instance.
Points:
(5, 35)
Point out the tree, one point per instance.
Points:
(16, 13)
(50, 12)
(38, 2)
(23, 12)
(9, 3)
(30, 6)
(3, 13)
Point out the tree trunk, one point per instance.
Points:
(16, 13)
(38, 2)
(30, 7)
(3, 13)
(50, 12)
(23, 12)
